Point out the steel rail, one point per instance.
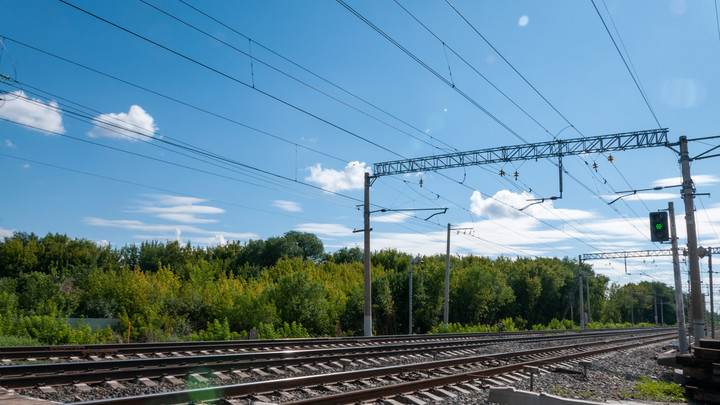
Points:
(31, 375)
(260, 387)
(45, 352)
(352, 397)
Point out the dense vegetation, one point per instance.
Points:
(283, 286)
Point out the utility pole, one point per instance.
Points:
(582, 305)
(410, 297)
(698, 318)
(572, 304)
(412, 261)
(702, 252)
(712, 305)
(366, 275)
(680, 308)
(587, 284)
(632, 313)
(655, 304)
(446, 311)
(662, 313)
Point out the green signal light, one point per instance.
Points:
(658, 226)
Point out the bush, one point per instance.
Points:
(286, 331)
(18, 341)
(216, 331)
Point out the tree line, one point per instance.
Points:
(289, 285)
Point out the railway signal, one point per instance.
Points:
(659, 230)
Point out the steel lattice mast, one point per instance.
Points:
(530, 151)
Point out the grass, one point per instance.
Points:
(655, 391)
(18, 341)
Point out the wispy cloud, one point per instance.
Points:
(290, 206)
(649, 196)
(135, 125)
(699, 180)
(506, 204)
(6, 233)
(9, 144)
(325, 229)
(351, 178)
(162, 228)
(179, 209)
(34, 112)
(394, 217)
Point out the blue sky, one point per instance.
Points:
(326, 96)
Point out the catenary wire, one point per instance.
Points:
(236, 80)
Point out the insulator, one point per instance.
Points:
(595, 166)
(502, 172)
(516, 175)
(610, 158)
(421, 182)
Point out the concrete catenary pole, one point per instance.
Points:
(410, 297)
(712, 306)
(582, 305)
(680, 308)
(698, 318)
(446, 311)
(367, 279)
(655, 304)
(587, 284)
(632, 312)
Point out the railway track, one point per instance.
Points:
(259, 364)
(54, 353)
(397, 384)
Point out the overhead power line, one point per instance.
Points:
(234, 79)
(642, 93)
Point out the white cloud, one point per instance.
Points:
(351, 178)
(649, 196)
(102, 243)
(9, 144)
(506, 204)
(217, 240)
(395, 217)
(179, 209)
(33, 112)
(325, 229)
(290, 206)
(125, 125)
(6, 233)
(26, 166)
(699, 180)
(174, 230)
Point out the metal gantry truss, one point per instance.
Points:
(531, 151)
(636, 253)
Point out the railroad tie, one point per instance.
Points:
(457, 389)
(429, 395)
(146, 382)
(81, 387)
(443, 393)
(503, 379)
(113, 385)
(197, 378)
(168, 379)
(293, 369)
(469, 387)
(408, 399)
(259, 372)
(240, 374)
(220, 376)
(47, 390)
(159, 355)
